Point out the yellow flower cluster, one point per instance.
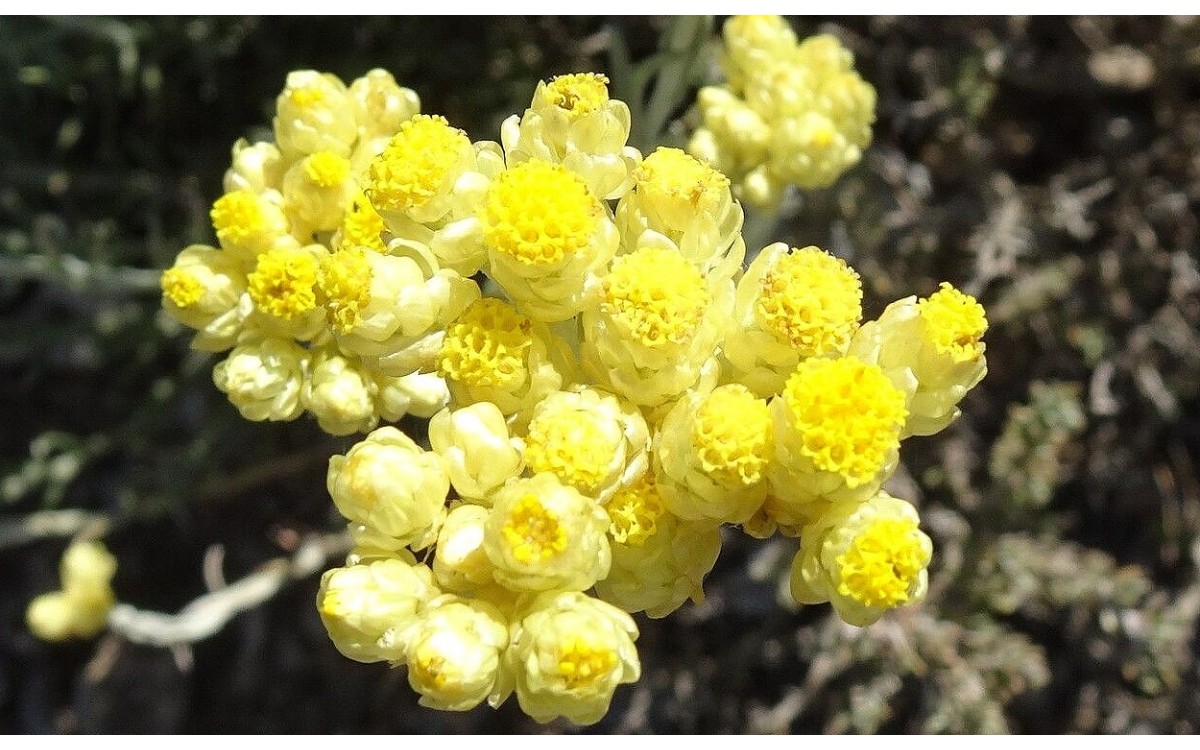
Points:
(624, 391)
(791, 112)
(80, 609)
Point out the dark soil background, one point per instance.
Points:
(1051, 166)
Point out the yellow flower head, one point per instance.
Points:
(360, 604)
(568, 654)
(882, 563)
(181, 287)
(954, 322)
(656, 297)
(326, 169)
(634, 511)
(345, 281)
(846, 415)
(245, 219)
(417, 165)
(283, 283)
(588, 439)
(812, 300)
(733, 437)
(362, 226)
(539, 214)
(678, 187)
(544, 536)
(577, 94)
(486, 346)
(453, 654)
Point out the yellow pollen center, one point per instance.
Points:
(882, 564)
(955, 323)
(573, 446)
(733, 437)
(634, 512)
(418, 164)
(670, 174)
(345, 280)
(326, 169)
(539, 214)
(656, 297)
(307, 96)
(487, 346)
(181, 287)
(577, 93)
(362, 226)
(811, 300)
(283, 283)
(847, 414)
(534, 535)
(238, 217)
(581, 664)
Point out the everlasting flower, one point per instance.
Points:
(460, 563)
(380, 107)
(711, 455)
(264, 378)
(314, 113)
(931, 348)
(453, 651)
(791, 305)
(493, 353)
(476, 447)
(421, 394)
(837, 435)
(80, 609)
(689, 202)
(545, 536)
(390, 484)
(202, 290)
(340, 394)
(546, 236)
(316, 192)
(865, 560)
(283, 288)
(248, 223)
(589, 439)
(568, 654)
(365, 607)
(656, 330)
(573, 122)
(256, 167)
(415, 174)
(658, 561)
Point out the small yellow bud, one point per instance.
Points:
(364, 607)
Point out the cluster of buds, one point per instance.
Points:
(80, 608)
(616, 388)
(790, 113)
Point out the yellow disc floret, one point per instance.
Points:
(362, 225)
(345, 280)
(955, 323)
(847, 415)
(239, 218)
(634, 511)
(539, 214)
(326, 169)
(577, 93)
(572, 446)
(583, 662)
(812, 300)
(882, 563)
(416, 164)
(533, 533)
(283, 283)
(486, 346)
(656, 296)
(181, 287)
(732, 436)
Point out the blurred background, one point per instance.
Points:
(1050, 166)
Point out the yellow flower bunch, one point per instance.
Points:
(616, 393)
(791, 112)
